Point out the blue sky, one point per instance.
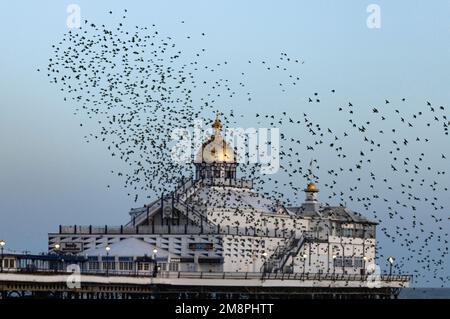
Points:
(50, 176)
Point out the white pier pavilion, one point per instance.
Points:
(217, 223)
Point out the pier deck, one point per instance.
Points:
(204, 285)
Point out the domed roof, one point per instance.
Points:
(216, 149)
(312, 188)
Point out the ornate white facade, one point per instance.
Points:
(216, 222)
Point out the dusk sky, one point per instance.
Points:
(50, 176)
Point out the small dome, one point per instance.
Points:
(311, 188)
(216, 149)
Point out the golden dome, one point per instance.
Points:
(311, 188)
(217, 125)
(216, 149)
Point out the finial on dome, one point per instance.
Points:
(217, 125)
(311, 187)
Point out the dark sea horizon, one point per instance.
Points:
(425, 293)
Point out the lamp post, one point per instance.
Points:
(391, 262)
(254, 259)
(2, 244)
(364, 264)
(334, 264)
(304, 256)
(56, 248)
(264, 254)
(155, 265)
(107, 259)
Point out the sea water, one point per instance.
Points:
(424, 293)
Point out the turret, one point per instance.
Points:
(311, 203)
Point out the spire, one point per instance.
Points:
(311, 175)
(311, 202)
(217, 125)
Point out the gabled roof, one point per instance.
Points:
(7, 252)
(338, 213)
(219, 197)
(137, 210)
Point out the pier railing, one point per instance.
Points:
(281, 276)
(175, 230)
(229, 275)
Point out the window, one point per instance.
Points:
(109, 265)
(359, 233)
(173, 267)
(8, 263)
(229, 173)
(348, 262)
(93, 265)
(144, 266)
(347, 232)
(358, 262)
(369, 231)
(125, 265)
(338, 261)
